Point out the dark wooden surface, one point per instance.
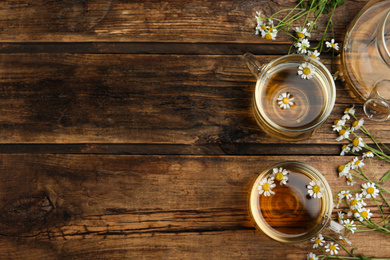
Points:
(126, 130)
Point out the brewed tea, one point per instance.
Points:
(291, 211)
(309, 97)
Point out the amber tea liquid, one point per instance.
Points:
(309, 97)
(290, 215)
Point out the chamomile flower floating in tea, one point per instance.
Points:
(332, 44)
(285, 100)
(314, 189)
(265, 186)
(302, 46)
(280, 175)
(369, 190)
(314, 54)
(318, 241)
(306, 70)
(332, 248)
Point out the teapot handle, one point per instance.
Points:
(377, 107)
(252, 63)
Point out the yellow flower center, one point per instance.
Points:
(271, 29)
(355, 142)
(286, 100)
(357, 162)
(370, 190)
(332, 44)
(347, 110)
(311, 258)
(306, 71)
(332, 247)
(263, 27)
(336, 122)
(342, 131)
(354, 211)
(316, 188)
(344, 240)
(268, 36)
(364, 214)
(344, 146)
(317, 241)
(266, 186)
(313, 56)
(349, 179)
(300, 35)
(341, 168)
(354, 202)
(354, 124)
(279, 176)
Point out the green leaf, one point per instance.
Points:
(339, 2)
(385, 177)
(353, 250)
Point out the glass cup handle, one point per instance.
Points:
(252, 63)
(336, 227)
(377, 107)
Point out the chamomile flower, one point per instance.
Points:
(356, 202)
(350, 225)
(338, 74)
(269, 34)
(280, 175)
(301, 32)
(345, 149)
(345, 240)
(344, 169)
(302, 46)
(357, 124)
(345, 194)
(258, 17)
(338, 125)
(314, 189)
(332, 44)
(285, 100)
(314, 54)
(265, 186)
(311, 256)
(357, 144)
(369, 190)
(318, 241)
(349, 111)
(368, 154)
(363, 214)
(349, 179)
(332, 248)
(306, 70)
(356, 163)
(343, 134)
(340, 217)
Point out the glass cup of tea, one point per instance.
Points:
(292, 202)
(294, 95)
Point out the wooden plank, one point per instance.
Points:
(138, 99)
(148, 21)
(113, 207)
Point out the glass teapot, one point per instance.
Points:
(366, 58)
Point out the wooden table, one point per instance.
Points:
(126, 130)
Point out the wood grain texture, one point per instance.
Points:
(138, 99)
(148, 21)
(107, 206)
